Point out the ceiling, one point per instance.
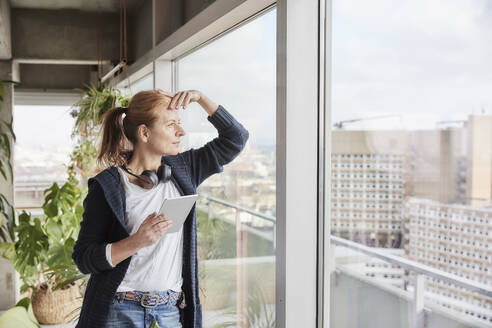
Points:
(84, 5)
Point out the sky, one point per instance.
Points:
(424, 61)
(43, 134)
(237, 71)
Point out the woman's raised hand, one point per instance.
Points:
(182, 98)
(152, 229)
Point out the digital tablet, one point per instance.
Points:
(176, 210)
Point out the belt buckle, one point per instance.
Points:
(153, 298)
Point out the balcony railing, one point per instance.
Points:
(238, 209)
(421, 270)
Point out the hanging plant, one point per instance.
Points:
(88, 113)
(84, 158)
(90, 110)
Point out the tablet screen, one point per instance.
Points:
(177, 210)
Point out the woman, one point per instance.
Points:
(139, 274)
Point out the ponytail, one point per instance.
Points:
(112, 150)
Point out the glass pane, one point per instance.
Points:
(411, 163)
(236, 210)
(40, 152)
(144, 83)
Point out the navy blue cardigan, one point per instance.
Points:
(103, 222)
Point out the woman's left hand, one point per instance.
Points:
(182, 98)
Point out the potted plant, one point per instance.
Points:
(89, 111)
(42, 254)
(40, 248)
(63, 207)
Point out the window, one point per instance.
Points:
(237, 71)
(411, 103)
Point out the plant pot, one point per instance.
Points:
(56, 306)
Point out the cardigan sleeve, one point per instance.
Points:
(89, 253)
(209, 159)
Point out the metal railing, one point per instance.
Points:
(420, 269)
(416, 267)
(239, 209)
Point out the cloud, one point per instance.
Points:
(424, 56)
(237, 71)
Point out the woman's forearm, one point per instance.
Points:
(209, 105)
(123, 249)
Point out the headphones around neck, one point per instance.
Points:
(149, 179)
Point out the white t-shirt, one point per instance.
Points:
(157, 267)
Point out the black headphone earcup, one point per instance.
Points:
(152, 176)
(169, 173)
(164, 172)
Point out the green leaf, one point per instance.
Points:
(2, 171)
(7, 251)
(58, 253)
(3, 233)
(24, 287)
(7, 210)
(54, 230)
(31, 315)
(60, 200)
(65, 282)
(31, 244)
(11, 170)
(10, 128)
(79, 210)
(17, 317)
(60, 259)
(24, 303)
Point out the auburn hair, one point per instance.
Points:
(119, 134)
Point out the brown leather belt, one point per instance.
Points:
(151, 300)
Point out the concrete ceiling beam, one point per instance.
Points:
(64, 35)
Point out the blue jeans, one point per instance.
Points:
(126, 313)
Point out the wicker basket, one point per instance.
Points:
(56, 306)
